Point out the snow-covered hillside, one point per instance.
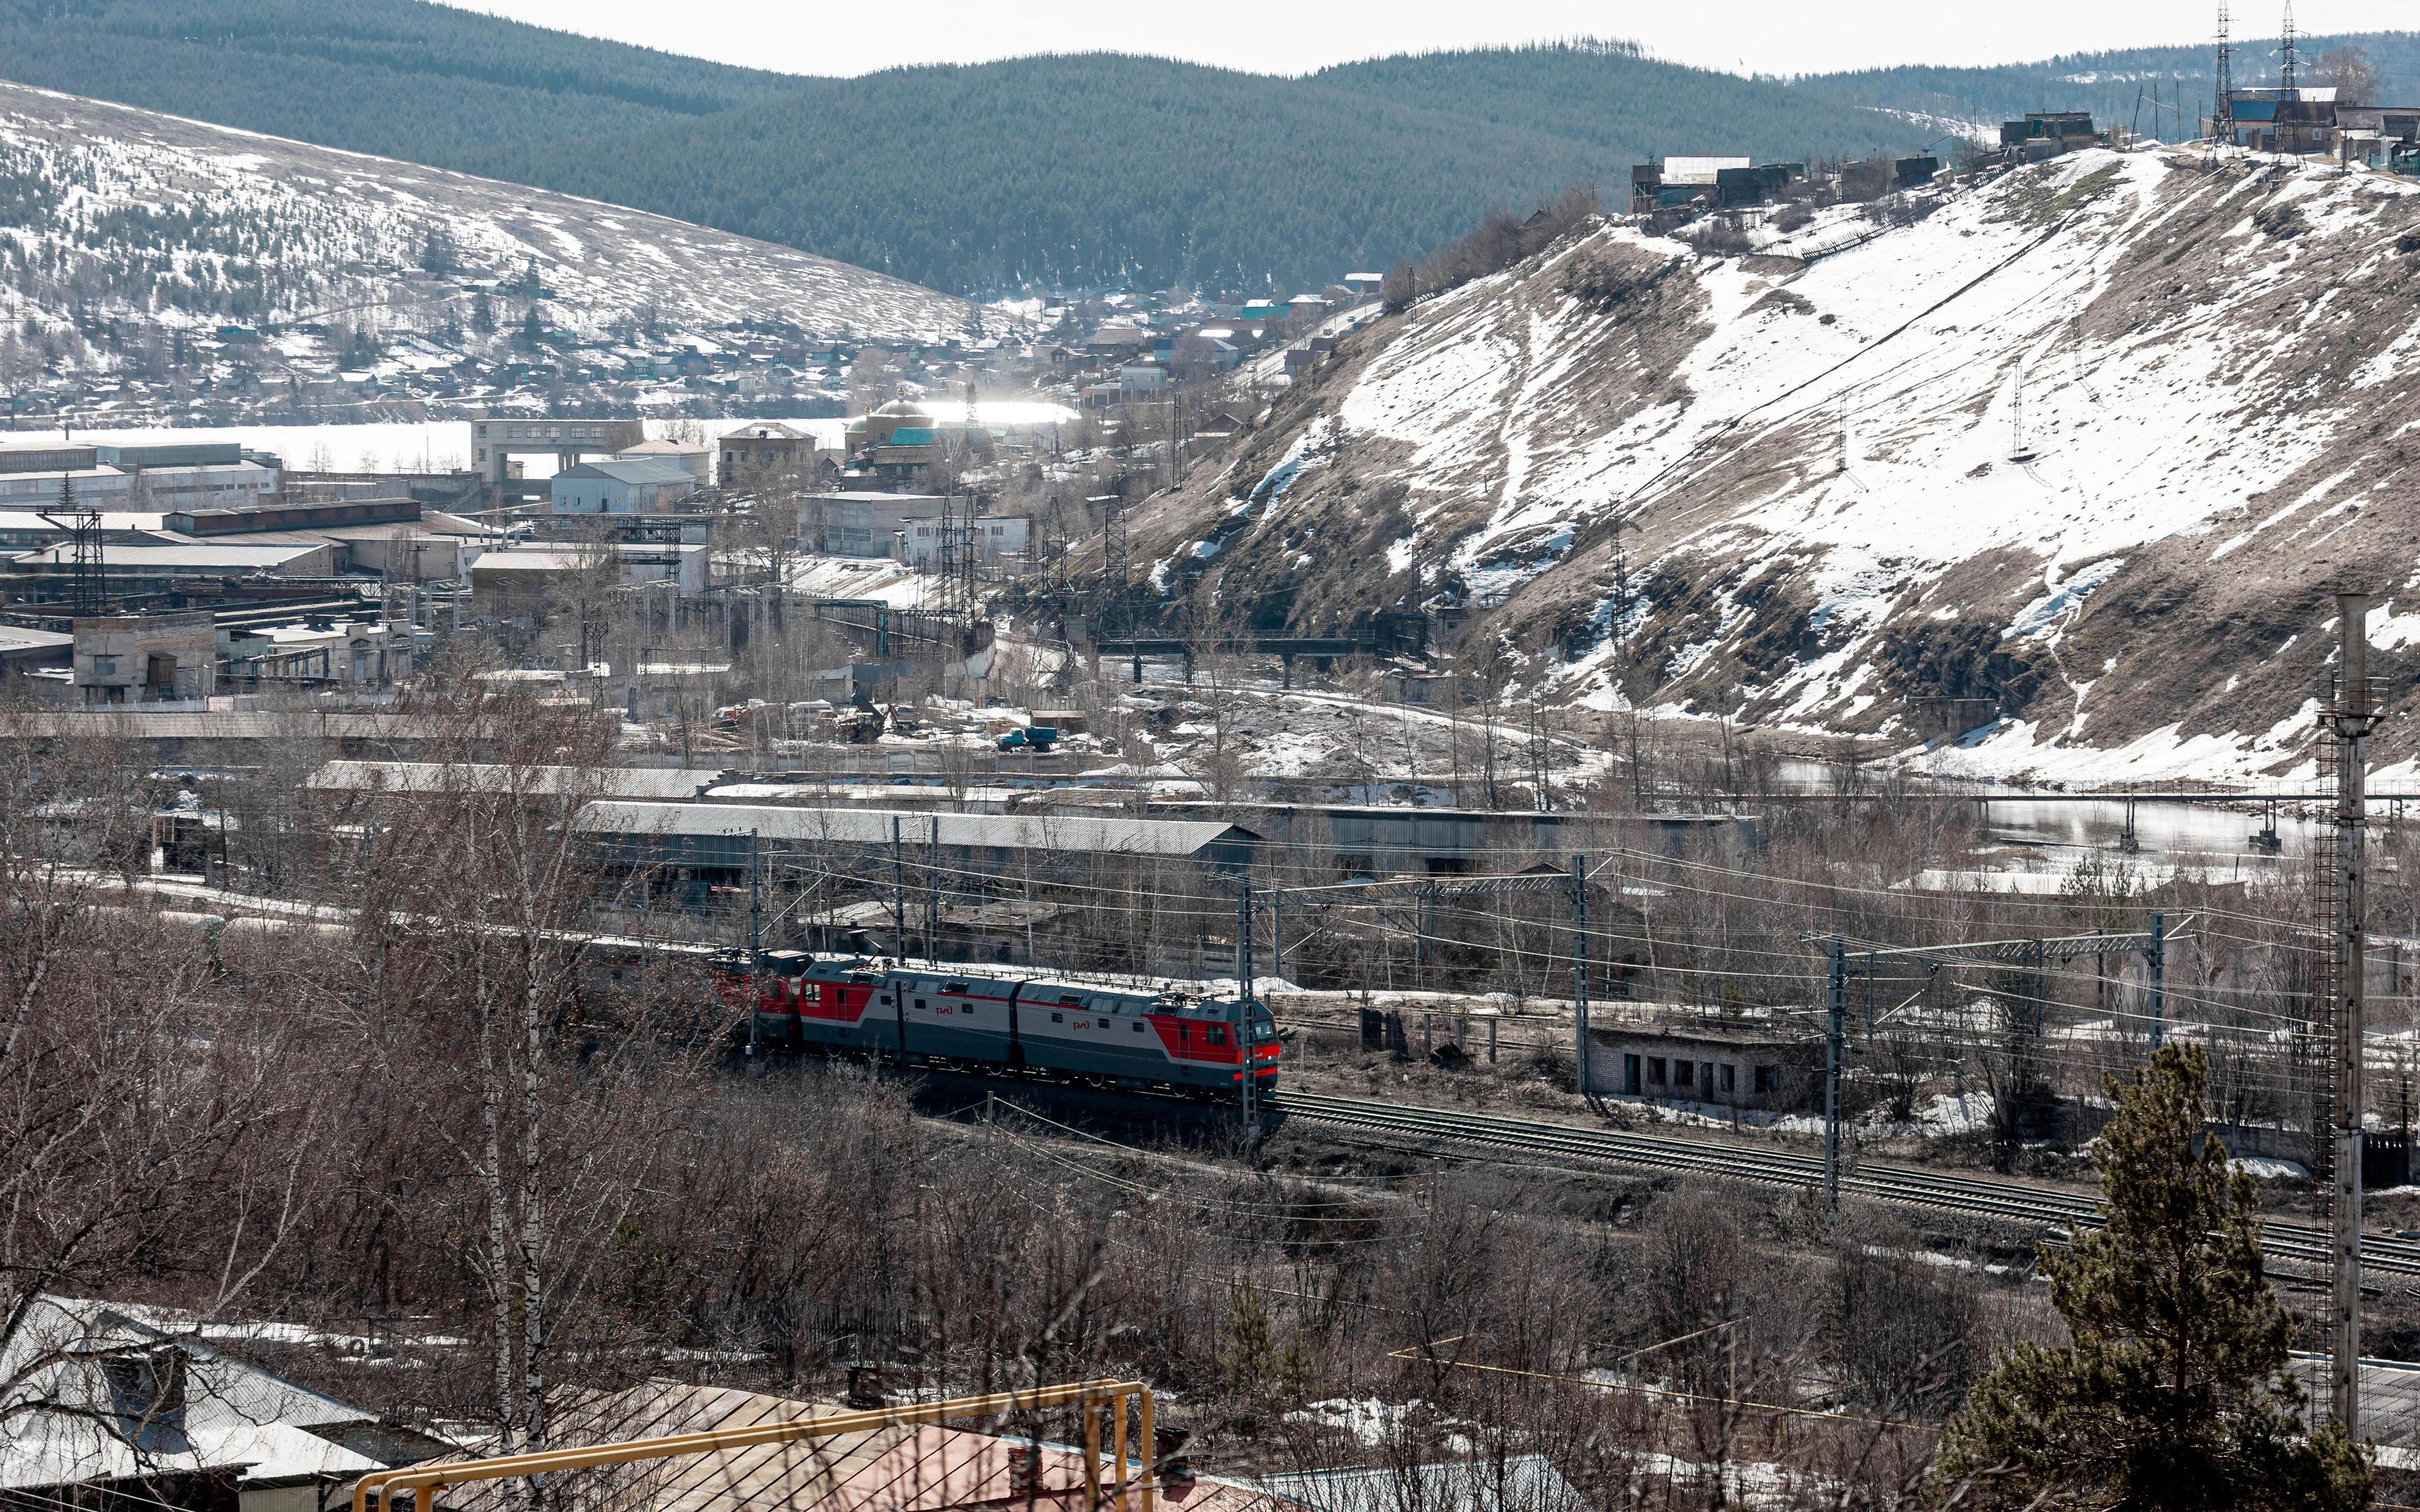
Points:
(133, 242)
(2087, 446)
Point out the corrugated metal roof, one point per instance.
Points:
(1529, 1482)
(94, 724)
(929, 1468)
(634, 469)
(137, 558)
(551, 782)
(17, 638)
(1700, 170)
(872, 827)
(64, 1426)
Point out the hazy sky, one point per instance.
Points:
(1270, 37)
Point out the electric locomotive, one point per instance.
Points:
(954, 1018)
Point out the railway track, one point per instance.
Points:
(1984, 1197)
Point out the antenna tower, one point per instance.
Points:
(2286, 55)
(2223, 115)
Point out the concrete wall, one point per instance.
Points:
(144, 658)
(1719, 1072)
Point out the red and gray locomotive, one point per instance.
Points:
(946, 1016)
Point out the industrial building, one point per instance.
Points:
(716, 836)
(768, 451)
(519, 578)
(622, 486)
(135, 478)
(496, 439)
(146, 658)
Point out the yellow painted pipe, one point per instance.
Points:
(1147, 1449)
(1092, 1455)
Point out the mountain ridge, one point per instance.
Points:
(1066, 170)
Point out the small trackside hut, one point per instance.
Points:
(1717, 1065)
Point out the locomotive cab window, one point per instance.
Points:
(919, 1005)
(1218, 1034)
(1138, 1028)
(1057, 1018)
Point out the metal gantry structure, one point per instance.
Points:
(88, 580)
(2032, 955)
(1425, 893)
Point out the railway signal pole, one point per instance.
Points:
(2349, 725)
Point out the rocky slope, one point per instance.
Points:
(2086, 448)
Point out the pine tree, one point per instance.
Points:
(2173, 1394)
(1249, 1350)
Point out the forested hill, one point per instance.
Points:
(1034, 172)
(2112, 85)
(1097, 168)
(401, 78)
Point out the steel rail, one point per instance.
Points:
(1981, 1195)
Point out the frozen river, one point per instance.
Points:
(437, 445)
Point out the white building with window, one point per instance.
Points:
(993, 538)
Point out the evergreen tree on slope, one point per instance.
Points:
(2173, 1394)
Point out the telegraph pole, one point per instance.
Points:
(2350, 724)
(1836, 1005)
(1581, 973)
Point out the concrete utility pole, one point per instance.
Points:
(1836, 1007)
(933, 897)
(1581, 973)
(756, 947)
(2350, 723)
(898, 892)
(1276, 932)
(1250, 1048)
